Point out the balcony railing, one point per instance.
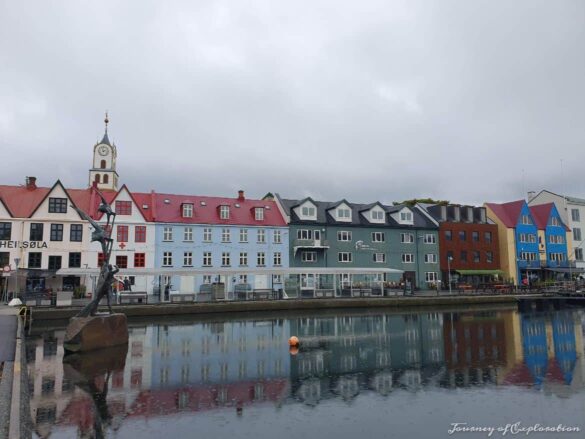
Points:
(528, 264)
(310, 243)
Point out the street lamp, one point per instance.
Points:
(449, 258)
(16, 262)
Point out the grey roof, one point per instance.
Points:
(105, 140)
(357, 219)
(575, 200)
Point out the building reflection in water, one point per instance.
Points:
(182, 369)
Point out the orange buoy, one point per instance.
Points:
(293, 341)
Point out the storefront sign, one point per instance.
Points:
(23, 244)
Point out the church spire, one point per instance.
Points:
(105, 139)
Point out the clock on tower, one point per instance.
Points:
(103, 172)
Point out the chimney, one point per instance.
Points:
(470, 214)
(531, 195)
(457, 213)
(31, 183)
(241, 195)
(443, 213)
(482, 215)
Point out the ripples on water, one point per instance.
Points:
(356, 372)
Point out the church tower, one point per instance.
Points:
(103, 171)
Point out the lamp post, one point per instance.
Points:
(16, 262)
(449, 271)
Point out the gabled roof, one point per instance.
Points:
(20, 201)
(57, 183)
(541, 213)
(339, 203)
(367, 207)
(110, 199)
(105, 140)
(507, 212)
(299, 202)
(6, 207)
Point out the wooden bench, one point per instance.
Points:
(132, 297)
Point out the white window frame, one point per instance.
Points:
(167, 259)
(410, 239)
(187, 259)
(226, 235)
(344, 236)
(407, 258)
(261, 259)
(167, 234)
(377, 212)
(277, 259)
(308, 256)
(188, 234)
(243, 235)
(430, 258)
(380, 258)
(406, 217)
(226, 259)
(308, 212)
(343, 214)
(224, 212)
(345, 257)
(578, 254)
(526, 220)
(575, 215)
(261, 237)
(277, 237)
(207, 259)
(430, 238)
(577, 234)
(207, 278)
(431, 276)
(207, 234)
(378, 237)
(187, 210)
(243, 259)
(259, 213)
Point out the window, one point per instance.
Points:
(225, 259)
(487, 236)
(344, 257)
(277, 259)
(57, 205)
(261, 236)
(122, 234)
(101, 259)
(225, 235)
(380, 257)
(54, 262)
(308, 256)
(140, 234)
(377, 215)
(308, 211)
(243, 235)
(522, 237)
(344, 214)
(431, 276)
(168, 234)
(36, 231)
(430, 258)
(406, 216)
(122, 261)
(243, 279)
(378, 237)
(102, 166)
(124, 207)
(187, 210)
(430, 238)
(557, 257)
(489, 257)
(576, 234)
(187, 259)
(56, 232)
(167, 259)
(531, 238)
(207, 259)
(261, 259)
(554, 221)
(450, 255)
(575, 215)
(207, 235)
(259, 213)
(277, 237)
(243, 259)
(462, 235)
(343, 236)
(476, 257)
(106, 178)
(139, 260)
(526, 219)
(406, 238)
(463, 256)
(475, 236)
(448, 235)
(4, 259)
(76, 233)
(578, 254)
(308, 234)
(206, 278)
(407, 258)
(34, 260)
(74, 260)
(224, 212)
(276, 278)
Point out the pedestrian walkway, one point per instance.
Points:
(8, 325)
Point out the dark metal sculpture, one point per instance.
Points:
(101, 234)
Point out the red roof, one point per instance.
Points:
(166, 208)
(508, 212)
(541, 214)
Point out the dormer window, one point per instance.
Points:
(224, 212)
(187, 210)
(406, 217)
(344, 214)
(259, 213)
(554, 221)
(308, 211)
(526, 219)
(377, 216)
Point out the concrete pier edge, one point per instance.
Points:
(15, 404)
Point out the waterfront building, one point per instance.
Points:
(572, 212)
(349, 235)
(468, 244)
(533, 240)
(238, 234)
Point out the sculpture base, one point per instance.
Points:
(86, 334)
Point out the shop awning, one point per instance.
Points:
(479, 272)
(567, 270)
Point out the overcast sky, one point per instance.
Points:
(467, 100)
